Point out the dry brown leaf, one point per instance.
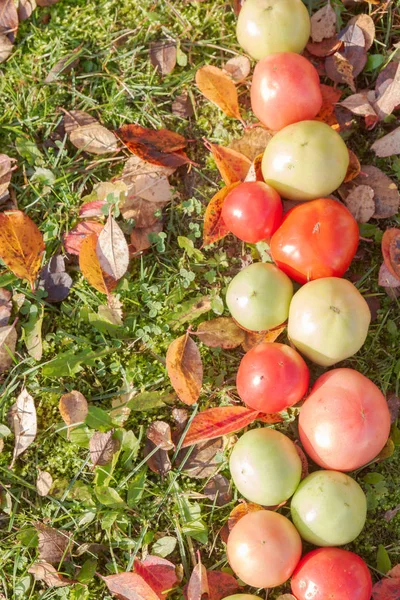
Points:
(388, 93)
(23, 422)
(147, 194)
(6, 48)
(238, 68)
(54, 546)
(214, 228)
(7, 350)
(388, 145)
(140, 236)
(367, 25)
(185, 369)
(182, 106)
(73, 408)
(221, 332)
(354, 168)
(386, 195)
(136, 166)
(359, 104)
(64, 65)
(232, 165)
(86, 133)
(112, 250)
(163, 56)
(219, 88)
(198, 583)
(253, 142)
(5, 306)
(255, 171)
(158, 442)
(8, 18)
(360, 203)
(160, 434)
(218, 489)
(340, 70)
(102, 447)
(325, 48)
(354, 50)
(253, 338)
(5, 173)
(203, 460)
(129, 586)
(323, 23)
(90, 266)
(21, 245)
(44, 483)
(241, 510)
(44, 571)
(25, 9)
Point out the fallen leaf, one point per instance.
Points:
(237, 5)
(140, 236)
(7, 350)
(157, 460)
(74, 239)
(359, 104)
(330, 96)
(386, 452)
(233, 166)
(215, 422)
(203, 460)
(219, 88)
(8, 18)
(25, 9)
(255, 171)
(157, 146)
(46, 2)
(182, 106)
(221, 585)
(44, 571)
(129, 586)
(163, 56)
(185, 369)
(5, 306)
(160, 434)
(23, 422)
(253, 142)
(238, 68)
(340, 70)
(388, 587)
(55, 280)
(390, 514)
(386, 195)
(286, 597)
(6, 48)
(112, 250)
(136, 166)
(367, 25)
(44, 483)
(198, 582)
(353, 170)
(86, 133)
(354, 50)
(253, 338)
(386, 279)
(92, 209)
(324, 48)
(102, 447)
(323, 23)
(390, 250)
(360, 203)
(388, 145)
(147, 195)
(158, 573)
(73, 408)
(393, 406)
(54, 546)
(388, 93)
(6, 170)
(240, 511)
(21, 245)
(90, 266)
(220, 333)
(214, 228)
(218, 489)
(64, 65)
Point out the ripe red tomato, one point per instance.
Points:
(331, 573)
(264, 548)
(252, 211)
(272, 377)
(345, 421)
(285, 89)
(316, 239)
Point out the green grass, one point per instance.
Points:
(116, 82)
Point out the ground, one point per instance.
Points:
(116, 82)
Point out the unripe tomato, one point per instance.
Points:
(331, 573)
(259, 296)
(265, 466)
(272, 377)
(328, 320)
(263, 549)
(316, 239)
(306, 160)
(285, 89)
(252, 211)
(345, 421)
(267, 26)
(329, 508)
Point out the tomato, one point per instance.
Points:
(242, 597)
(263, 549)
(267, 26)
(306, 160)
(252, 211)
(329, 508)
(316, 239)
(279, 79)
(265, 466)
(328, 320)
(272, 377)
(259, 296)
(345, 421)
(331, 573)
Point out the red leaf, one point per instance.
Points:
(391, 250)
(214, 422)
(129, 586)
(92, 209)
(221, 585)
(270, 419)
(389, 587)
(233, 166)
(158, 572)
(214, 226)
(73, 240)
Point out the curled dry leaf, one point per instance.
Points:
(86, 133)
(215, 422)
(163, 56)
(238, 68)
(219, 88)
(158, 573)
(253, 338)
(129, 586)
(90, 266)
(324, 48)
(182, 106)
(44, 571)
(21, 245)
(74, 239)
(23, 422)
(73, 408)
(388, 145)
(391, 250)
(232, 165)
(367, 25)
(218, 489)
(323, 23)
(360, 203)
(221, 332)
(214, 226)
(354, 168)
(253, 142)
(112, 250)
(54, 546)
(102, 448)
(44, 483)
(386, 195)
(198, 582)
(203, 460)
(185, 369)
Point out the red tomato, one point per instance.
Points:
(272, 377)
(252, 211)
(285, 89)
(331, 573)
(264, 548)
(316, 239)
(345, 421)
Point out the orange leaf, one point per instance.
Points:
(354, 168)
(214, 422)
(21, 244)
(270, 418)
(255, 171)
(391, 250)
(185, 368)
(241, 510)
(90, 266)
(253, 338)
(233, 166)
(214, 226)
(219, 88)
(330, 96)
(129, 586)
(159, 573)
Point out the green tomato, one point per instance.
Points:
(329, 508)
(259, 296)
(328, 320)
(267, 26)
(305, 161)
(265, 466)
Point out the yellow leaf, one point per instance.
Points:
(90, 266)
(219, 89)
